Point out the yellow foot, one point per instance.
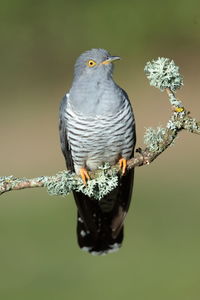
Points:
(84, 175)
(123, 165)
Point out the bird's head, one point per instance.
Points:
(94, 62)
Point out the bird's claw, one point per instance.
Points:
(123, 165)
(84, 175)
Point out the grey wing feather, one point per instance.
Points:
(134, 130)
(63, 135)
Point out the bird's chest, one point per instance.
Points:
(91, 132)
(94, 140)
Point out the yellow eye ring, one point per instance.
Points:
(91, 63)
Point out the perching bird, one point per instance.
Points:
(96, 126)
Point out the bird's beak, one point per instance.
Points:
(110, 60)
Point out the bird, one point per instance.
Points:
(97, 126)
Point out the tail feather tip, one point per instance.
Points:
(112, 248)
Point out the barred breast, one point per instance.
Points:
(99, 139)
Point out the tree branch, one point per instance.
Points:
(11, 183)
(163, 74)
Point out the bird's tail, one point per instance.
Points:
(100, 244)
(100, 223)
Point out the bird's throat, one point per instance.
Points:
(95, 97)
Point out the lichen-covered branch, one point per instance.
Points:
(162, 74)
(11, 183)
(159, 139)
(104, 180)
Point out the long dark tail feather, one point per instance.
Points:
(100, 223)
(104, 243)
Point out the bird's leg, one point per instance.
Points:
(84, 175)
(123, 165)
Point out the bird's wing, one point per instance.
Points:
(133, 125)
(84, 204)
(125, 187)
(63, 134)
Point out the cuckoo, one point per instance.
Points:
(97, 126)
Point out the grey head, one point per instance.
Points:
(93, 90)
(94, 62)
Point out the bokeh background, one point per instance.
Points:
(39, 257)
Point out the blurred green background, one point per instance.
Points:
(39, 257)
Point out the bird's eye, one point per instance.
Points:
(91, 63)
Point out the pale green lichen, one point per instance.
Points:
(163, 73)
(11, 180)
(4, 179)
(60, 184)
(154, 138)
(171, 125)
(192, 125)
(177, 120)
(65, 182)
